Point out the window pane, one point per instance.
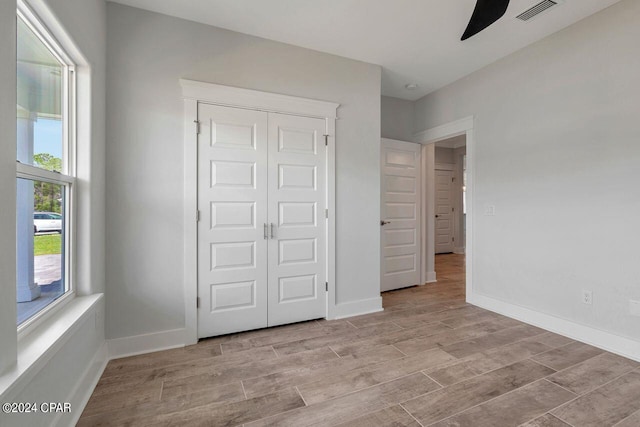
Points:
(40, 102)
(40, 247)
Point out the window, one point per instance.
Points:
(45, 170)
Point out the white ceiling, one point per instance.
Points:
(415, 41)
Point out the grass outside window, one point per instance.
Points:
(47, 244)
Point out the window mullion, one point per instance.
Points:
(33, 172)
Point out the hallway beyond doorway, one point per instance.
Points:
(451, 268)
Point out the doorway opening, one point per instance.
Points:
(447, 162)
(450, 208)
(449, 197)
(416, 225)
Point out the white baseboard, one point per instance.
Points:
(84, 388)
(605, 340)
(431, 277)
(146, 343)
(459, 251)
(356, 308)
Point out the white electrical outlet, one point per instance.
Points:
(634, 308)
(489, 210)
(587, 297)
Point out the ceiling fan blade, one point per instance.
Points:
(486, 13)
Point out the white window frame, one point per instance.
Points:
(66, 177)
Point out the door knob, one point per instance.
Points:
(437, 216)
(383, 223)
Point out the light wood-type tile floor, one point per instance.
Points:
(428, 359)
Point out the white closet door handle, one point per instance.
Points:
(273, 231)
(266, 231)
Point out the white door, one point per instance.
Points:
(444, 211)
(232, 199)
(297, 223)
(262, 231)
(400, 214)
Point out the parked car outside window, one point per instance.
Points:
(47, 221)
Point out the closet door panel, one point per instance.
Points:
(232, 200)
(297, 202)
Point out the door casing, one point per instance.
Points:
(195, 92)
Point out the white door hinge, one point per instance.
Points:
(326, 213)
(197, 216)
(198, 302)
(197, 127)
(326, 139)
(326, 286)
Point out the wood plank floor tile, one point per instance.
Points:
(344, 383)
(466, 348)
(568, 355)
(604, 406)
(155, 360)
(214, 375)
(413, 321)
(393, 416)
(550, 339)
(389, 305)
(314, 372)
(448, 337)
(632, 420)
(449, 401)
(284, 335)
(487, 361)
(593, 372)
(346, 408)
(231, 414)
(325, 340)
(182, 369)
(546, 420)
(458, 322)
(149, 392)
(370, 370)
(138, 414)
(368, 320)
(512, 409)
(426, 330)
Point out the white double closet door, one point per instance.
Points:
(262, 229)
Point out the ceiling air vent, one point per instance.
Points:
(537, 10)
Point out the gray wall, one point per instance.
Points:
(444, 155)
(558, 154)
(7, 184)
(397, 118)
(147, 54)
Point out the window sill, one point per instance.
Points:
(42, 343)
(44, 315)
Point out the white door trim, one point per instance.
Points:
(194, 92)
(258, 100)
(463, 126)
